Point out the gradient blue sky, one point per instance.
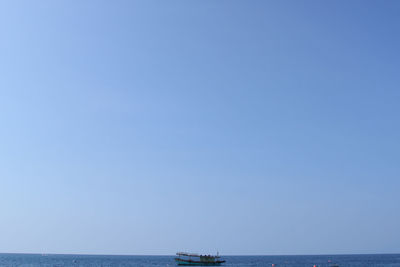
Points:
(247, 127)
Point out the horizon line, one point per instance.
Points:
(229, 255)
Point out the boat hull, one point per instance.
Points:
(197, 263)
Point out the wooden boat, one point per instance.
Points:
(198, 260)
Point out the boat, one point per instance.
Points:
(197, 259)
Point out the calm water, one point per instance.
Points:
(155, 261)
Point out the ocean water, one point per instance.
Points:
(33, 260)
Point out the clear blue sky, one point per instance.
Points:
(247, 127)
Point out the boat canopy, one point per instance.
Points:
(187, 254)
(195, 255)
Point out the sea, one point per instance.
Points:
(33, 260)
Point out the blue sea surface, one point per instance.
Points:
(31, 260)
